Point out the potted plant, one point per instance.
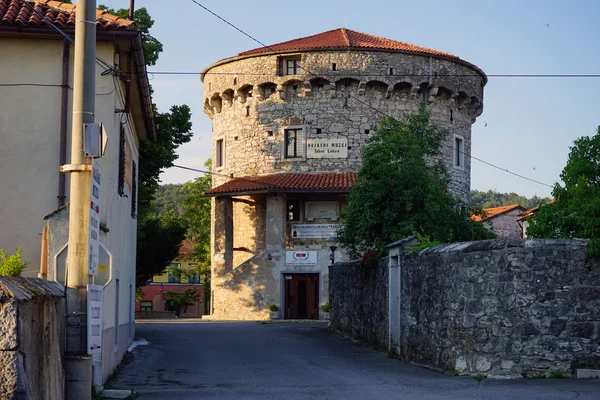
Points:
(325, 308)
(274, 308)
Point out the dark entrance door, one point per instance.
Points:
(301, 296)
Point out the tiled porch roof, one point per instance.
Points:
(287, 182)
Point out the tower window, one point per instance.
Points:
(219, 153)
(459, 152)
(333, 67)
(391, 71)
(318, 130)
(290, 65)
(293, 143)
(293, 210)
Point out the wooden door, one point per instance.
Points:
(301, 296)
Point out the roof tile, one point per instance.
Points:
(493, 211)
(345, 38)
(17, 13)
(323, 182)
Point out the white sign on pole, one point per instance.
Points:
(94, 319)
(327, 148)
(304, 257)
(315, 231)
(94, 220)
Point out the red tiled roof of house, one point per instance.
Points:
(494, 211)
(298, 182)
(532, 210)
(17, 13)
(343, 38)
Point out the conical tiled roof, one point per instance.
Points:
(343, 38)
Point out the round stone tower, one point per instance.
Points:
(289, 125)
(272, 108)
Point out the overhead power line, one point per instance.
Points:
(395, 74)
(275, 52)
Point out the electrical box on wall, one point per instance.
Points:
(94, 141)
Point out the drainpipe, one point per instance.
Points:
(64, 101)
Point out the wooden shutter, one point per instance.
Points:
(134, 189)
(121, 186)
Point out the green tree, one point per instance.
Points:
(575, 212)
(495, 199)
(196, 213)
(11, 265)
(143, 22)
(168, 198)
(184, 299)
(402, 189)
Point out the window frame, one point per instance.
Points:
(219, 153)
(458, 152)
(144, 305)
(300, 148)
(284, 65)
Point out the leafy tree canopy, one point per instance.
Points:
(575, 213)
(143, 22)
(494, 199)
(402, 189)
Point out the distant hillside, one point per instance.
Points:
(169, 197)
(494, 199)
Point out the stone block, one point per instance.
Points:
(8, 326)
(581, 329)
(588, 373)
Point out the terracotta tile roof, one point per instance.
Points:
(293, 182)
(345, 38)
(17, 13)
(532, 210)
(494, 211)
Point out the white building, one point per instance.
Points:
(36, 71)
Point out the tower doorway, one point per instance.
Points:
(301, 296)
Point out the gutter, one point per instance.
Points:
(135, 37)
(64, 102)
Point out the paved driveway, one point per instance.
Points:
(250, 360)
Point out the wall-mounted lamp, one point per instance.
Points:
(331, 242)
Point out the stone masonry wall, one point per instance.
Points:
(251, 105)
(502, 308)
(358, 300)
(31, 337)
(506, 225)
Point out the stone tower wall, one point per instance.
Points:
(251, 105)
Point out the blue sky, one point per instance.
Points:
(531, 122)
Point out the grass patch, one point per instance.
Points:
(480, 378)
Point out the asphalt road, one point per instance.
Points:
(250, 360)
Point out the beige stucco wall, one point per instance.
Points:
(29, 162)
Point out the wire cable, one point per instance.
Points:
(360, 101)
(340, 72)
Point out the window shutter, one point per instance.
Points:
(134, 189)
(121, 186)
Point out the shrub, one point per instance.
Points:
(274, 308)
(325, 307)
(11, 265)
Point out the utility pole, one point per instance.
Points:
(78, 363)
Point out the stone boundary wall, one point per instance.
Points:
(502, 308)
(358, 301)
(31, 339)
(154, 314)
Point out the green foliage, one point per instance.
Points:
(168, 198)
(172, 130)
(158, 244)
(424, 242)
(179, 300)
(139, 294)
(143, 22)
(325, 307)
(196, 213)
(273, 308)
(480, 378)
(402, 189)
(491, 199)
(575, 213)
(11, 265)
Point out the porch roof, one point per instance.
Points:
(336, 182)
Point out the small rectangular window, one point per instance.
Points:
(293, 143)
(333, 67)
(290, 65)
(293, 210)
(219, 154)
(318, 130)
(145, 305)
(391, 71)
(459, 152)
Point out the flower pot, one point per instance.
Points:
(325, 315)
(274, 314)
